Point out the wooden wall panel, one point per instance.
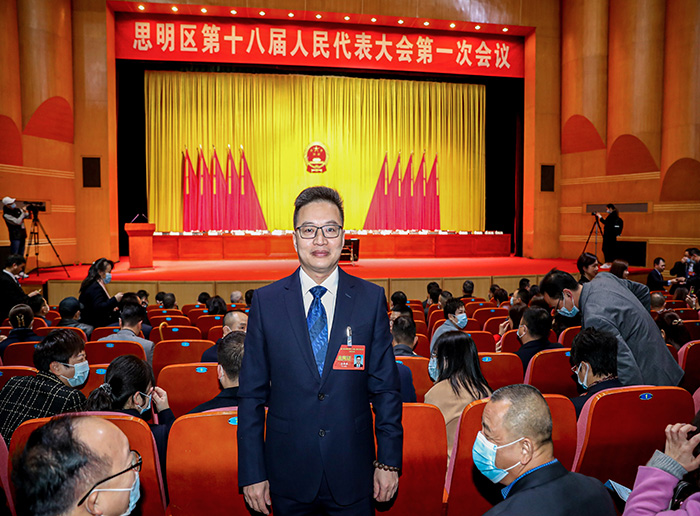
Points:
(10, 100)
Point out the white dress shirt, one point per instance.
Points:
(328, 299)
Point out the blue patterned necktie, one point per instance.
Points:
(317, 323)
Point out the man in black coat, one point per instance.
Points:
(655, 279)
(11, 293)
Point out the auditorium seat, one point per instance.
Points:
(550, 372)
(675, 303)
(564, 428)
(510, 343)
(169, 352)
(432, 308)
(43, 331)
(104, 351)
(155, 312)
(167, 332)
(672, 349)
(200, 471)
(7, 372)
(186, 309)
(37, 323)
(619, 429)
(104, 331)
(19, 354)
(195, 313)
(189, 385)
(483, 340)
(422, 346)
(5, 478)
(215, 333)
(152, 501)
(687, 314)
(472, 307)
(437, 324)
(204, 322)
(5, 330)
(95, 378)
(421, 379)
(492, 325)
(566, 338)
(689, 360)
(418, 314)
(693, 328)
(501, 369)
(421, 327)
(434, 318)
(53, 316)
(172, 320)
(472, 325)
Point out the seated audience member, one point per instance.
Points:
(672, 329)
(620, 268)
(655, 279)
(21, 317)
(134, 299)
(500, 296)
(534, 334)
(538, 300)
(99, 308)
(524, 283)
(129, 388)
(534, 290)
(203, 297)
(236, 296)
(39, 307)
(492, 290)
(514, 448)
(143, 296)
(404, 334)
(249, 297)
(512, 322)
(159, 298)
(456, 320)
(399, 311)
(444, 296)
(11, 294)
(60, 360)
(454, 366)
(229, 356)
(169, 302)
(131, 319)
(657, 302)
(217, 306)
(594, 362)
(398, 299)
(520, 296)
(69, 308)
(429, 300)
(683, 269)
(434, 297)
(233, 321)
(587, 265)
(76, 465)
(467, 289)
(681, 293)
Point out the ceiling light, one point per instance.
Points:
(426, 23)
(141, 7)
(505, 29)
(233, 11)
(452, 25)
(175, 9)
(318, 16)
(204, 10)
(347, 18)
(373, 20)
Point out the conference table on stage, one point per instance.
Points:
(372, 245)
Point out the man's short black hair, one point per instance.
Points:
(468, 288)
(143, 294)
(500, 295)
(404, 310)
(159, 296)
(658, 260)
(451, 306)
(249, 296)
(523, 283)
(598, 348)
(36, 303)
(169, 300)
(132, 314)
(203, 297)
(694, 251)
(14, 259)
(538, 322)
(523, 295)
(404, 330)
(58, 346)
(129, 298)
(554, 283)
(399, 298)
(434, 294)
(432, 284)
(229, 353)
(318, 194)
(55, 469)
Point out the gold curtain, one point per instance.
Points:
(275, 117)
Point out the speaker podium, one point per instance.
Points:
(140, 245)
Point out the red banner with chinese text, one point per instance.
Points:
(250, 41)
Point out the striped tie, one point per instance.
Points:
(317, 323)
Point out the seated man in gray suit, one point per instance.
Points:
(130, 321)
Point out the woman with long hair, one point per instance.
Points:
(99, 308)
(459, 381)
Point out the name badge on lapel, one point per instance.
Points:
(350, 357)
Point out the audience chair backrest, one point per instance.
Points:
(437, 324)
(215, 333)
(5, 477)
(689, 360)
(421, 378)
(43, 331)
(501, 369)
(189, 385)
(169, 352)
(172, 320)
(510, 343)
(5, 330)
(687, 314)
(195, 314)
(566, 338)
(422, 346)
(619, 429)
(563, 428)
(483, 340)
(192, 459)
(675, 303)
(434, 317)
(693, 328)
(95, 378)
(7, 372)
(432, 308)
(167, 332)
(159, 312)
(104, 331)
(550, 372)
(421, 327)
(37, 323)
(493, 324)
(104, 351)
(205, 322)
(53, 316)
(472, 307)
(19, 354)
(186, 309)
(674, 352)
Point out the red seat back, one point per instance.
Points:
(675, 303)
(155, 312)
(189, 385)
(53, 316)
(195, 314)
(550, 372)
(674, 352)
(421, 378)
(563, 428)
(437, 324)
(215, 333)
(472, 307)
(566, 338)
(186, 309)
(169, 352)
(687, 314)
(693, 328)
(689, 360)
(19, 354)
(7, 372)
(501, 369)
(434, 318)
(167, 332)
(484, 341)
(492, 325)
(95, 378)
(510, 343)
(619, 429)
(172, 320)
(104, 331)
(5, 330)
(421, 327)
(43, 331)
(422, 346)
(204, 322)
(104, 351)
(37, 323)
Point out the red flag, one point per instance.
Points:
(392, 198)
(376, 215)
(205, 194)
(405, 200)
(218, 194)
(432, 199)
(252, 217)
(418, 211)
(190, 193)
(233, 192)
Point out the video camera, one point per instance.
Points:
(34, 207)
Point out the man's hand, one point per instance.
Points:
(385, 484)
(257, 496)
(680, 448)
(35, 293)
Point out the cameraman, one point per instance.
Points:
(613, 229)
(14, 218)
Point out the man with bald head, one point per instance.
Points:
(75, 465)
(515, 448)
(233, 321)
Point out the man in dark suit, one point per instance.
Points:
(317, 453)
(655, 279)
(514, 448)
(11, 293)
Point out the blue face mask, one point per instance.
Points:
(433, 369)
(108, 277)
(461, 321)
(134, 494)
(484, 455)
(566, 312)
(147, 406)
(583, 383)
(80, 376)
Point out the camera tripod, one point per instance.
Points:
(34, 241)
(595, 228)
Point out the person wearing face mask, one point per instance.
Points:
(76, 466)
(130, 388)
(99, 308)
(459, 381)
(456, 320)
(594, 363)
(533, 332)
(620, 307)
(613, 229)
(14, 219)
(62, 368)
(514, 448)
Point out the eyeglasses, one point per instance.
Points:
(136, 466)
(308, 232)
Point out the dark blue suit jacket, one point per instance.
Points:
(315, 421)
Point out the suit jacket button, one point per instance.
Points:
(321, 396)
(322, 433)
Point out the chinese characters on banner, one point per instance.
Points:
(219, 40)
